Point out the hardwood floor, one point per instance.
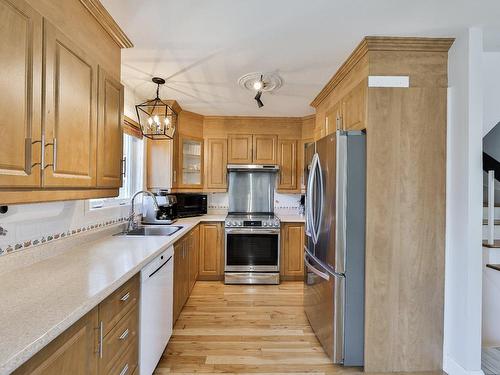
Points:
(246, 329)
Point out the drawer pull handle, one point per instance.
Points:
(125, 297)
(101, 329)
(124, 335)
(125, 370)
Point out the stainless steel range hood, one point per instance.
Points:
(252, 167)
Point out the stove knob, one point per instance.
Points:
(266, 223)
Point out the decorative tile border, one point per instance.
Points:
(56, 236)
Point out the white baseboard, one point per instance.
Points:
(451, 367)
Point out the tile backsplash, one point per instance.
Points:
(218, 201)
(33, 224)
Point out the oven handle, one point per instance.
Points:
(253, 231)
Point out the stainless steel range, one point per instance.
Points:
(252, 231)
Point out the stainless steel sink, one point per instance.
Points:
(152, 231)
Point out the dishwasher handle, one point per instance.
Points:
(159, 268)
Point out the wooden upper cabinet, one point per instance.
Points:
(333, 120)
(20, 94)
(287, 159)
(216, 165)
(110, 133)
(73, 352)
(239, 149)
(265, 149)
(189, 173)
(70, 112)
(354, 108)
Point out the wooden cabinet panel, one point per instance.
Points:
(292, 251)
(354, 108)
(239, 149)
(159, 164)
(287, 159)
(73, 352)
(110, 133)
(178, 279)
(265, 149)
(333, 119)
(119, 339)
(216, 170)
(113, 308)
(194, 251)
(70, 112)
(211, 251)
(20, 94)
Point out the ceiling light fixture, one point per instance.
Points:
(260, 82)
(158, 120)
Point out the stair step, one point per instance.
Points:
(496, 244)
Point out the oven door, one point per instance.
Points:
(252, 249)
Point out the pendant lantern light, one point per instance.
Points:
(157, 118)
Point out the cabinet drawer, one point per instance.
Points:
(119, 339)
(113, 308)
(127, 363)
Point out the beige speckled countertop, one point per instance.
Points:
(40, 301)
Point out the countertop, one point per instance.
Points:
(40, 301)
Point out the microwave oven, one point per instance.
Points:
(191, 204)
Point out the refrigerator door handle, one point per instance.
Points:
(317, 272)
(319, 204)
(310, 215)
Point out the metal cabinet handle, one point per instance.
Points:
(125, 297)
(101, 329)
(54, 154)
(28, 150)
(124, 167)
(124, 335)
(125, 370)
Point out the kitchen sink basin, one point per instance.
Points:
(152, 231)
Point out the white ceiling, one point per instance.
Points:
(202, 47)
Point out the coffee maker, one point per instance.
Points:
(167, 214)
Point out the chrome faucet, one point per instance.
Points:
(131, 219)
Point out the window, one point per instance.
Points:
(133, 153)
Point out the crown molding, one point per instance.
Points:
(107, 22)
(381, 43)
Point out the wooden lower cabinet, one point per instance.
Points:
(185, 269)
(292, 251)
(211, 251)
(88, 348)
(74, 352)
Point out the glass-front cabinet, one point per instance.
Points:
(190, 162)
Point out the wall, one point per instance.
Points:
(462, 322)
(491, 81)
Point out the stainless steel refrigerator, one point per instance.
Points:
(335, 244)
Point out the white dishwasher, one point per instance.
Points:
(156, 310)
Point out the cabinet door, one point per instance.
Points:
(333, 120)
(211, 253)
(110, 133)
(265, 149)
(216, 163)
(354, 108)
(178, 279)
(287, 152)
(194, 246)
(190, 162)
(73, 352)
(159, 164)
(239, 149)
(20, 94)
(70, 113)
(292, 250)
